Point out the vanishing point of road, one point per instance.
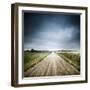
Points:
(52, 65)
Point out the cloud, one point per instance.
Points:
(52, 33)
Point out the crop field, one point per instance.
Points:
(32, 58)
(71, 58)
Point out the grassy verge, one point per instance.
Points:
(72, 58)
(32, 58)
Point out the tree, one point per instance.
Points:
(32, 50)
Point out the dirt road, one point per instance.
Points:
(52, 65)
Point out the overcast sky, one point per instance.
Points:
(46, 31)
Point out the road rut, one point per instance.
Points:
(52, 65)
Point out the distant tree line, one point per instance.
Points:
(33, 50)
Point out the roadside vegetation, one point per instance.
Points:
(71, 58)
(31, 58)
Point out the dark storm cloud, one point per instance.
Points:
(51, 31)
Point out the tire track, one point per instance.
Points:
(52, 65)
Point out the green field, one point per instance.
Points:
(32, 58)
(72, 58)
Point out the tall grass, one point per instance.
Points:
(72, 58)
(32, 58)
